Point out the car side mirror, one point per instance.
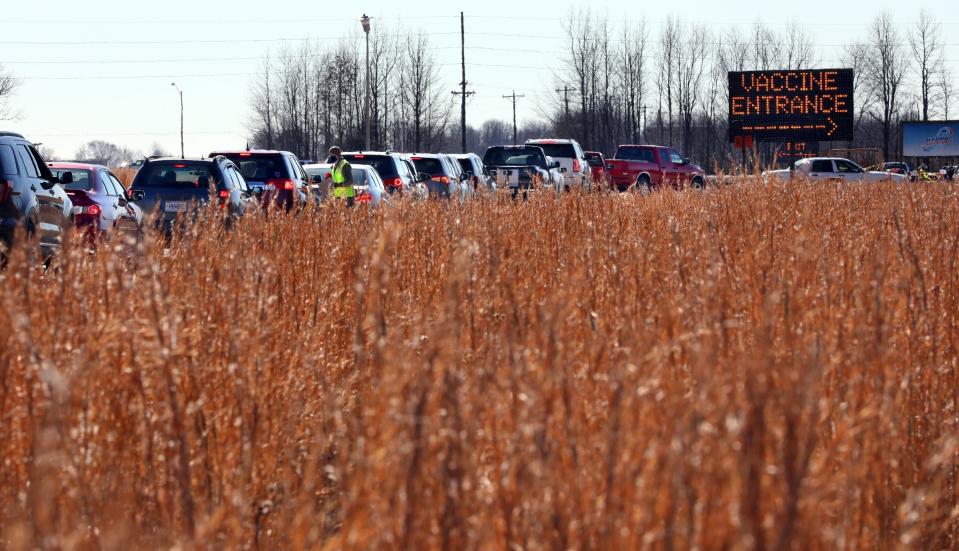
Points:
(66, 178)
(685, 161)
(136, 194)
(317, 179)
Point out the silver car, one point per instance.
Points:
(367, 183)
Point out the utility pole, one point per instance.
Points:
(514, 97)
(463, 93)
(182, 154)
(565, 90)
(365, 21)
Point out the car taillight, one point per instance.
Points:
(93, 210)
(395, 182)
(287, 184)
(224, 194)
(364, 198)
(441, 179)
(575, 165)
(6, 190)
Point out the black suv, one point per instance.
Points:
(274, 176)
(395, 173)
(29, 196)
(172, 187)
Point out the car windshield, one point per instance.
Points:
(594, 160)
(635, 154)
(433, 167)
(81, 179)
(259, 168)
(383, 164)
(175, 175)
(515, 156)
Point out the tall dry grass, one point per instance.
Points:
(765, 367)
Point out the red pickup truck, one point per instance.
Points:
(651, 166)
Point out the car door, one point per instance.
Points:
(822, 170)
(673, 168)
(49, 218)
(849, 171)
(128, 214)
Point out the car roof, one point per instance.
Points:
(551, 141)
(181, 160)
(250, 151)
(389, 153)
(4, 134)
(74, 166)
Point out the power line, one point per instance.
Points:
(513, 97)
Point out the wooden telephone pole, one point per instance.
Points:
(514, 97)
(463, 93)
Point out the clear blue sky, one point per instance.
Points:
(101, 69)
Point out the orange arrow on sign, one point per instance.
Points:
(835, 126)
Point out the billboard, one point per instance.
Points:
(791, 105)
(930, 139)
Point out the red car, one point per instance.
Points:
(652, 166)
(597, 167)
(100, 203)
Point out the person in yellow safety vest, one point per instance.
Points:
(342, 177)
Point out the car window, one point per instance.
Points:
(296, 169)
(8, 164)
(239, 179)
(105, 183)
(847, 167)
(81, 179)
(42, 167)
(822, 165)
(634, 154)
(382, 163)
(431, 166)
(564, 150)
(121, 191)
(675, 158)
(258, 167)
(402, 170)
(175, 175)
(29, 165)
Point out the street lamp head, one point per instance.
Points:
(365, 21)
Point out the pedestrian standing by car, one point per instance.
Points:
(342, 177)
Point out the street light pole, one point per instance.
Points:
(182, 154)
(365, 21)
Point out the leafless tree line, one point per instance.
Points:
(311, 97)
(669, 86)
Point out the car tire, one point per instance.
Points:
(698, 183)
(643, 184)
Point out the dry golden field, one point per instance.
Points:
(764, 367)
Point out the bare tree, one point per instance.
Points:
(633, 59)
(423, 95)
(670, 37)
(925, 41)
(8, 86)
(886, 70)
(582, 64)
(946, 85)
(688, 74)
(105, 153)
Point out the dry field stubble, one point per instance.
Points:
(752, 367)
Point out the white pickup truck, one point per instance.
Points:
(523, 167)
(832, 169)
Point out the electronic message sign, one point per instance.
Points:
(791, 106)
(930, 139)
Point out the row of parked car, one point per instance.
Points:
(45, 198)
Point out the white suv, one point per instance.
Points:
(572, 161)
